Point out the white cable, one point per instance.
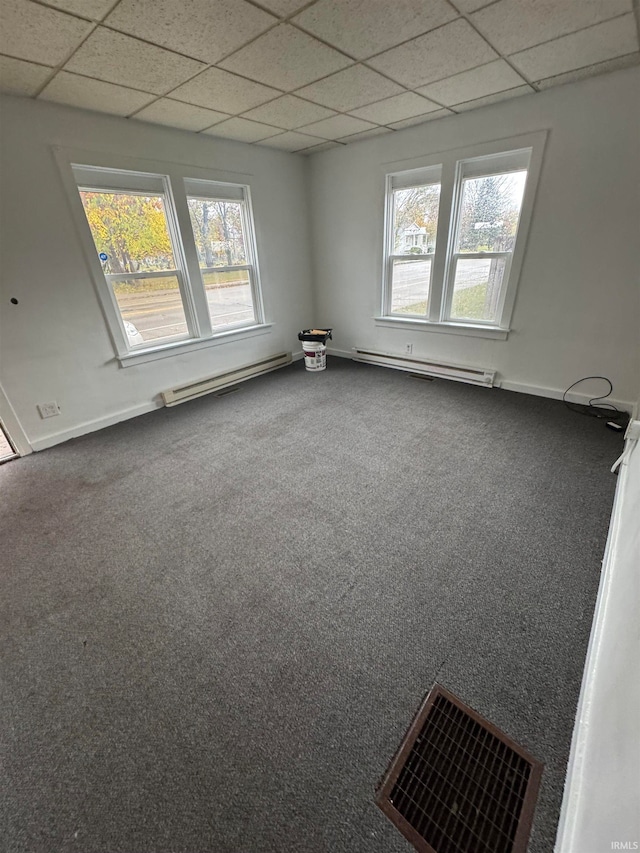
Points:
(624, 456)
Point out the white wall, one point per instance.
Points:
(578, 302)
(54, 344)
(577, 306)
(602, 792)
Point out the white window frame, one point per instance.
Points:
(219, 191)
(132, 174)
(484, 159)
(422, 178)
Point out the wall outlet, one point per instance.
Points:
(48, 410)
(408, 348)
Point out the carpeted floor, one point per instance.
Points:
(220, 618)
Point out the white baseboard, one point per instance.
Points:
(602, 786)
(94, 425)
(523, 388)
(141, 409)
(340, 353)
(557, 393)
(13, 425)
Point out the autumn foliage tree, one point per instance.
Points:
(131, 230)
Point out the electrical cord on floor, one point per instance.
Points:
(595, 408)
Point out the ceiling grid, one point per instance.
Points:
(303, 76)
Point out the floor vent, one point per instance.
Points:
(458, 784)
(415, 364)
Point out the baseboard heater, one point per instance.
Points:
(224, 380)
(472, 375)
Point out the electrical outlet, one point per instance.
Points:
(48, 410)
(408, 348)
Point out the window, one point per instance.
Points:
(451, 236)
(131, 234)
(413, 233)
(221, 228)
(164, 281)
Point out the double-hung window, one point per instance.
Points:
(135, 235)
(415, 202)
(175, 257)
(454, 239)
(221, 224)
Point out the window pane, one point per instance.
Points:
(218, 232)
(130, 231)
(230, 298)
(410, 286)
(151, 308)
(490, 211)
(476, 288)
(415, 220)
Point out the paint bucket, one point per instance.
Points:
(315, 355)
(314, 347)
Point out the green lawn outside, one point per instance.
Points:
(468, 304)
(147, 285)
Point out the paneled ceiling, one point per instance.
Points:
(304, 76)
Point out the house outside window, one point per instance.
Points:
(454, 238)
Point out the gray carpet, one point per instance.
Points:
(219, 618)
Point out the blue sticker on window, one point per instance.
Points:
(103, 256)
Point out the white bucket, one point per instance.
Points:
(315, 355)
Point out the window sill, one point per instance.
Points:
(141, 356)
(448, 328)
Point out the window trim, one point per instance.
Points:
(205, 190)
(175, 177)
(452, 163)
(432, 176)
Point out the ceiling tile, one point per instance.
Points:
(411, 122)
(512, 25)
(124, 60)
(354, 87)
(364, 27)
(286, 58)
(292, 141)
(333, 128)
(494, 77)
(283, 8)
(365, 134)
(395, 108)
(449, 50)
(96, 95)
(289, 112)
(596, 44)
(21, 78)
(494, 99)
(205, 29)
(36, 33)
(468, 6)
(324, 146)
(616, 64)
(177, 114)
(219, 90)
(93, 9)
(243, 130)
